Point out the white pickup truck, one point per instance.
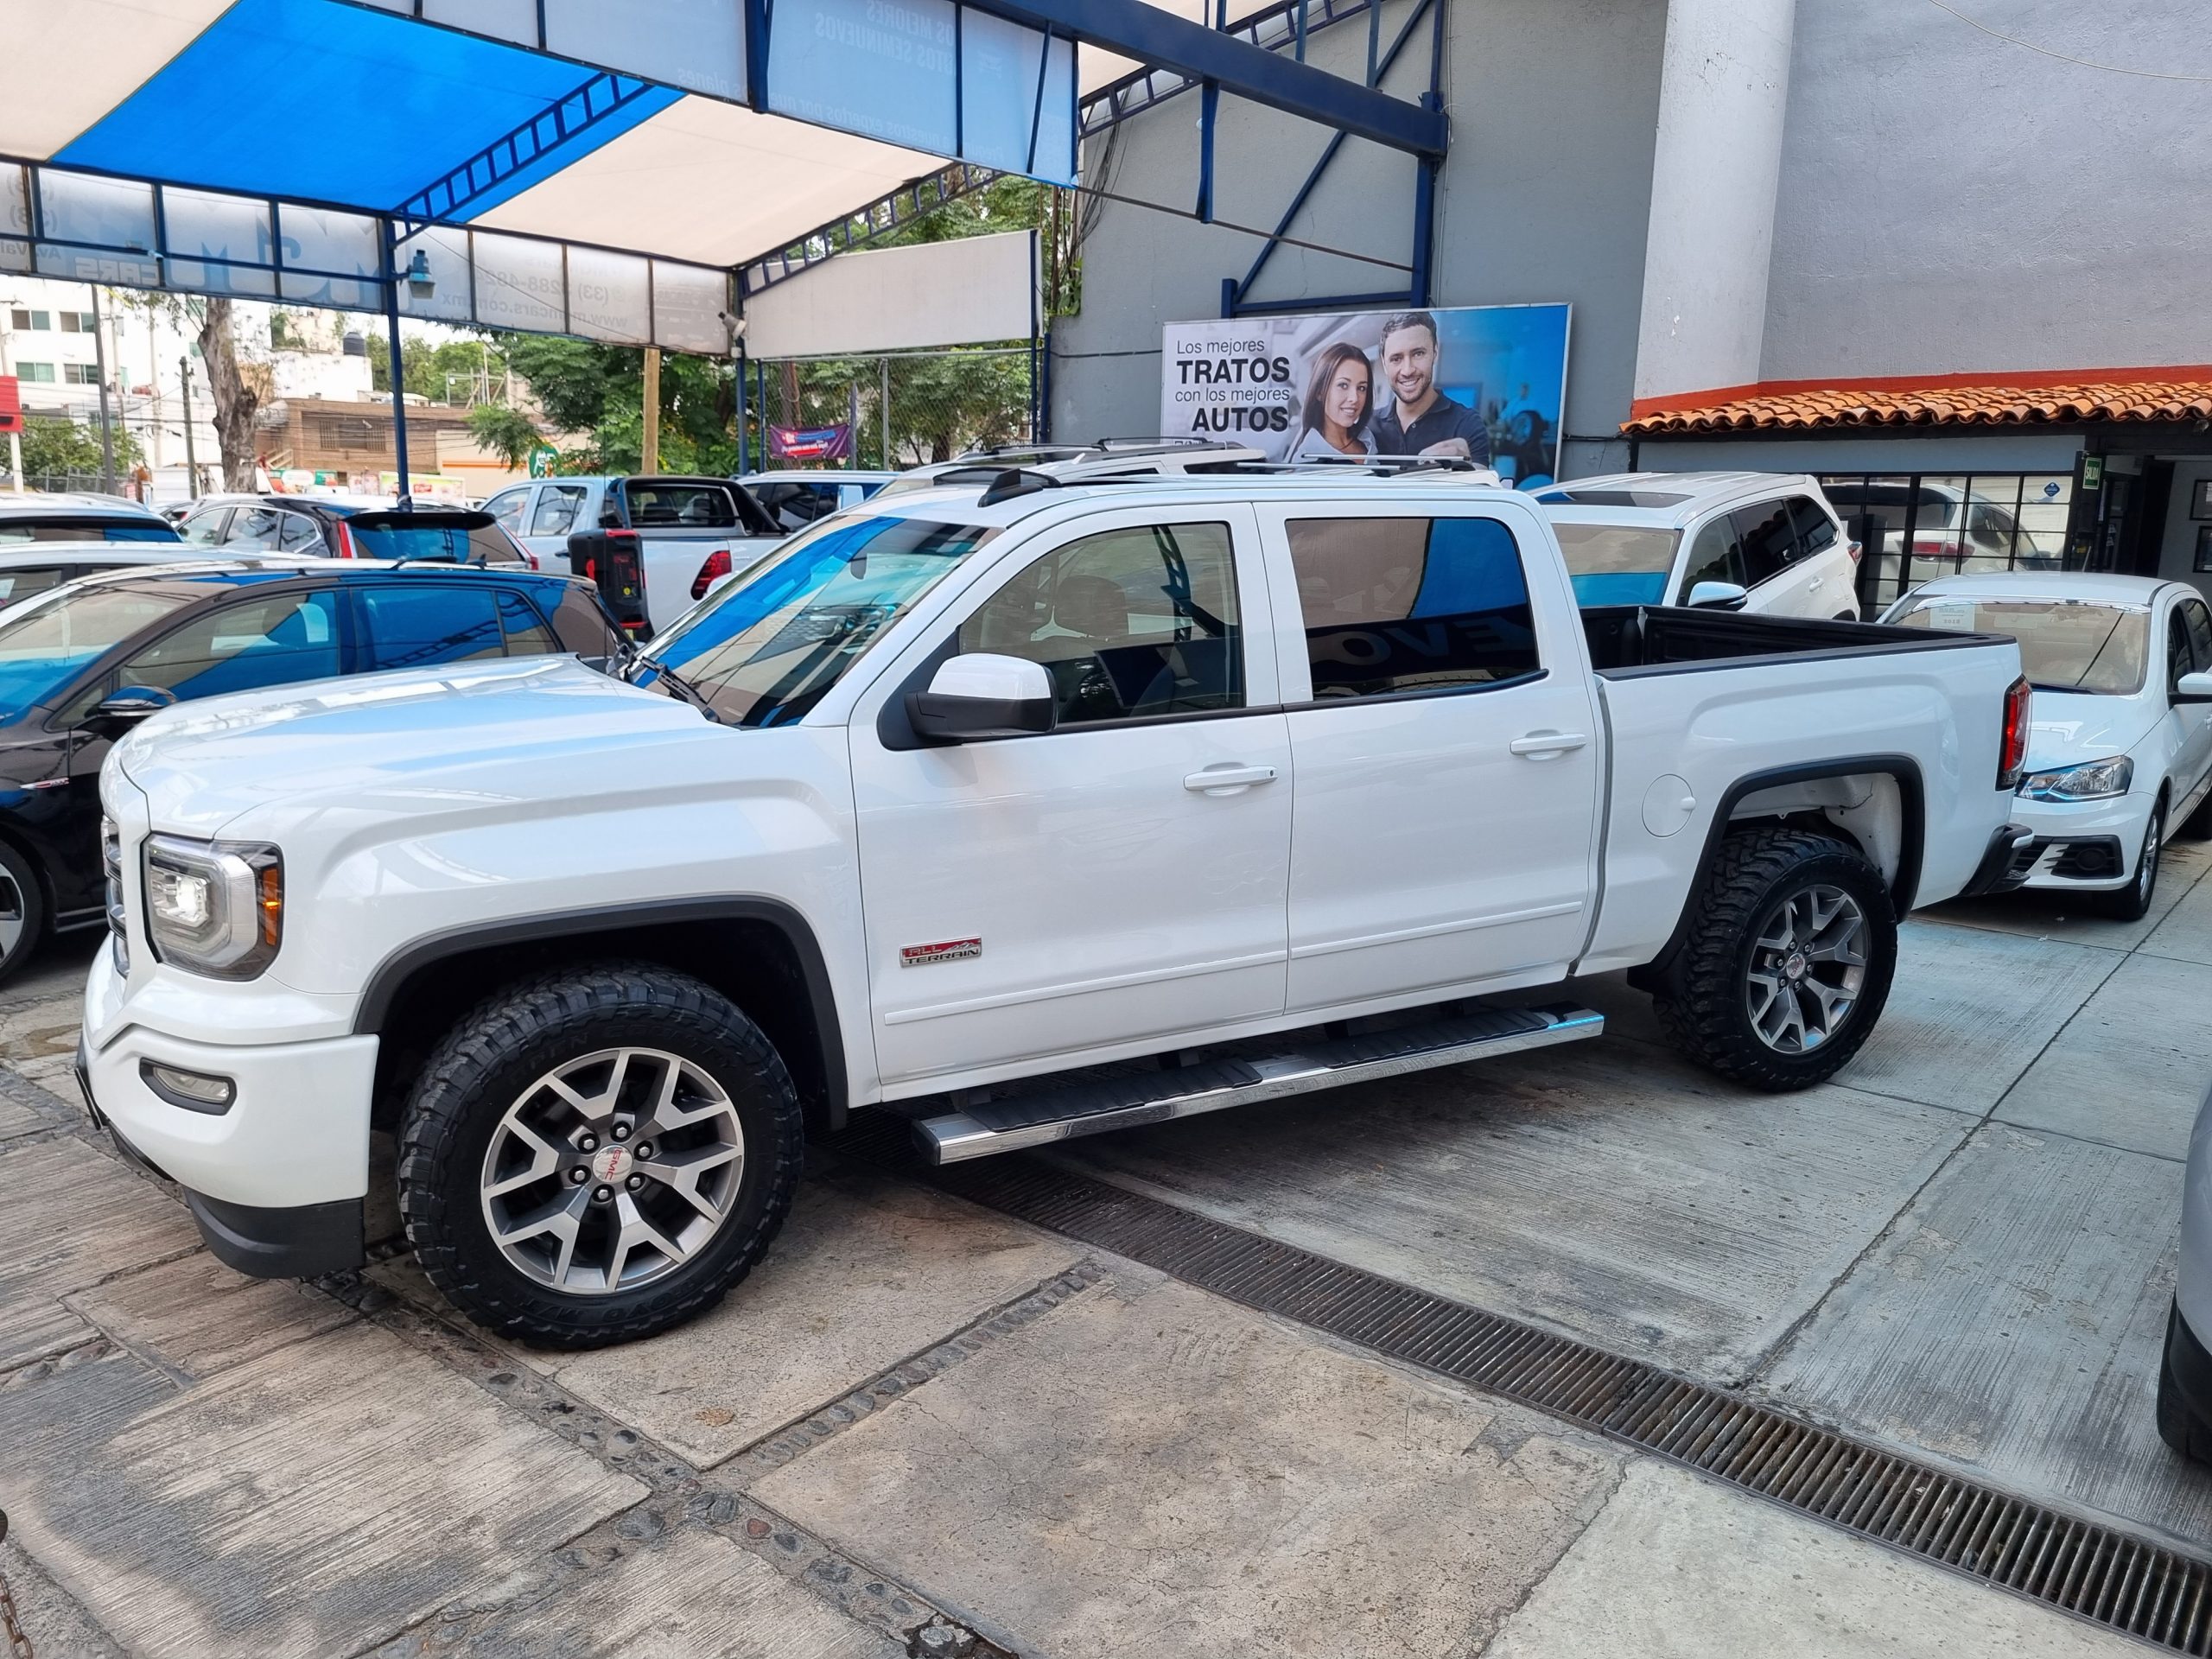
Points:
(1022, 812)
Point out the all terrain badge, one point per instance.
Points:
(917, 955)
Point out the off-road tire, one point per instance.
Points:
(2133, 902)
(494, 1052)
(1701, 1001)
(20, 875)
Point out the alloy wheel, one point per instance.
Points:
(1807, 967)
(15, 915)
(613, 1170)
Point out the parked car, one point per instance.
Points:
(689, 531)
(1765, 541)
(795, 499)
(1954, 532)
(2119, 748)
(36, 518)
(2184, 1411)
(997, 808)
(27, 569)
(80, 664)
(339, 527)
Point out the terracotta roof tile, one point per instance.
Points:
(1844, 407)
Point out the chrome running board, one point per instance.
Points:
(1008, 1122)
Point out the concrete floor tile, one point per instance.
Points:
(57, 973)
(72, 1216)
(57, 1627)
(1151, 1471)
(2132, 1068)
(2011, 1323)
(1676, 1567)
(312, 1501)
(869, 1270)
(1604, 1189)
(15, 1119)
(688, 1596)
(197, 1317)
(2185, 935)
(1969, 1011)
(2043, 913)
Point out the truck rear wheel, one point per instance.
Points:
(1788, 960)
(597, 1154)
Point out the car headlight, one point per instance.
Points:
(2093, 780)
(215, 907)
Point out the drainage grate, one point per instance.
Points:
(2123, 1583)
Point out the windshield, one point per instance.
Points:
(766, 649)
(1618, 564)
(47, 640)
(2065, 645)
(84, 527)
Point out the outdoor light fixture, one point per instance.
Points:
(419, 280)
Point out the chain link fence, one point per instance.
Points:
(905, 407)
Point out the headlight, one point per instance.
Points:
(2093, 780)
(215, 907)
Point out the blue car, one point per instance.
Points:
(81, 663)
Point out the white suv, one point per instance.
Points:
(1751, 541)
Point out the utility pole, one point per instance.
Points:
(398, 374)
(107, 424)
(184, 393)
(649, 461)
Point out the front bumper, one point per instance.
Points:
(2084, 846)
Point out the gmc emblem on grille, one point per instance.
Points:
(916, 955)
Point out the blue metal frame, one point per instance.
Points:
(856, 230)
(498, 161)
(1271, 30)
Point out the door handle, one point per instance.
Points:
(1537, 745)
(1219, 781)
(1813, 586)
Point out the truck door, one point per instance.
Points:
(1085, 888)
(558, 509)
(1444, 727)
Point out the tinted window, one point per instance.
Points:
(269, 640)
(701, 506)
(51, 640)
(1764, 535)
(1714, 557)
(21, 581)
(2178, 659)
(19, 527)
(1815, 530)
(793, 505)
(527, 634)
(582, 627)
(2199, 621)
(1129, 623)
(1411, 604)
(204, 526)
(416, 623)
(557, 508)
(299, 533)
(253, 527)
(444, 543)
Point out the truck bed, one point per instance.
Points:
(1631, 639)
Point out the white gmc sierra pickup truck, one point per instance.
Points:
(1214, 789)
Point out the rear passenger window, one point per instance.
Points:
(414, 626)
(527, 634)
(1815, 530)
(1129, 624)
(1396, 605)
(583, 627)
(1767, 541)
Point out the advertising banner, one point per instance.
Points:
(1488, 383)
(811, 443)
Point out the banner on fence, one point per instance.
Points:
(1488, 383)
(811, 443)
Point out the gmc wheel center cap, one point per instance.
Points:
(611, 1164)
(1795, 967)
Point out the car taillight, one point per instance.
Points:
(343, 546)
(2012, 753)
(715, 568)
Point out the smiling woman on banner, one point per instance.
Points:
(1339, 397)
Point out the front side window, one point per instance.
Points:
(2065, 645)
(1767, 538)
(1129, 623)
(272, 639)
(2199, 623)
(1618, 564)
(558, 507)
(764, 650)
(1396, 605)
(255, 527)
(2178, 658)
(506, 509)
(413, 625)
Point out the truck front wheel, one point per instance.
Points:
(1787, 960)
(597, 1154)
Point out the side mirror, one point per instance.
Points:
(2193, 687)
(125, 707)
(982, 696)
(1717, 596)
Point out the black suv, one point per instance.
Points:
(80, 664)
(315, 526)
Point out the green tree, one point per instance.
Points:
(507, 433)
(430, 370)
(55, 447)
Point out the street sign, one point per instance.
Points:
(11, 403)
(543, 460)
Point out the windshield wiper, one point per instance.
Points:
(690, 693)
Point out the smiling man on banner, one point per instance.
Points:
(1423, 421)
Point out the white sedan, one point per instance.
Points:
(2119, 746)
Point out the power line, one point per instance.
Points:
(2047, 52)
